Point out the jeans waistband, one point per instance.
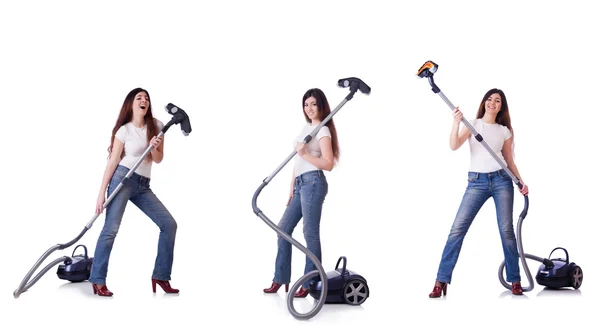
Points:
(313, 173)
(490, 174)
(136, 178)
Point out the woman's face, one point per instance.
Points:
(493, 104)
(141, 103)
(311, 109)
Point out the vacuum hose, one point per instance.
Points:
(522, 255)
(319, 271)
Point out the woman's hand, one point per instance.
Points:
(301, 149)
(457, 114)
(155, 142)
(524, 190)
(100, 203)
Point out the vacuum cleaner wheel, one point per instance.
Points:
(356, 292)
(576, 277)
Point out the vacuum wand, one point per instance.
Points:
(480, 139)
(355, 85)
(179, 117)
(427, 71)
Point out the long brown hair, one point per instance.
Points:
(324, 111)
(126, 115)
(503, 117)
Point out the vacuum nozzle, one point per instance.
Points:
(354, 84)
(427, 70)
(179, 117)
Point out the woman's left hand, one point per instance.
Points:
(300, 148)
(525, 189)
(155, 142)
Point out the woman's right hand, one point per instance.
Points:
(290, 198)
(457, 114)
(99, 204)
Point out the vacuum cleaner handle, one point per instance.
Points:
(84, 249)
(343, 272)
(557, 248)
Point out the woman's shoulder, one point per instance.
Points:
(125, 126)
(324, 131)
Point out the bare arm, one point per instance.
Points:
(458, 139)
(326, 161)
(510, 163)
(157, 152)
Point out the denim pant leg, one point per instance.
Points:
(289, 220)
(474, 198)
(312, 195)
(114, 214)
(150, 205)
(503, 194)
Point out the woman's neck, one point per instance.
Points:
(138, 121)
(489, 118)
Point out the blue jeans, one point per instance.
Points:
(137, 190)
(310, 190)
(482, 186)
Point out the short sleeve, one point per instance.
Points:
(120, 134)
(323, 132)
(507, 133)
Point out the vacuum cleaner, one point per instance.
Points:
(355, 85)
(343, 286)
(77, 268)
(554, 273)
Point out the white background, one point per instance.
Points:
(239, 69)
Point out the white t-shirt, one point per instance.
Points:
(135, 143)
(313, 147)
(494, 135)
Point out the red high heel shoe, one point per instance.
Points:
(301, 293)
(101, 291)
(165, 285)
(275, 287)
(517, 289)
(439, 290)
